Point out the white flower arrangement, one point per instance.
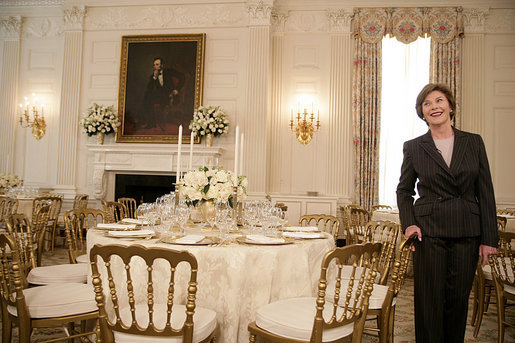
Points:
(209, 119)
(9, 180)
(99, 118)
(214, 184)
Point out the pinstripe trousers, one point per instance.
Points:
(444, 271)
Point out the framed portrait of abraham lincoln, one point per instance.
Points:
(161, 81)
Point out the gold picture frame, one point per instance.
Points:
(161, 83)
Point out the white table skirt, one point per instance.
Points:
(236, 280)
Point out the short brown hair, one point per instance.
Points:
(430, 87)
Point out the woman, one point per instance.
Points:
(454, 218)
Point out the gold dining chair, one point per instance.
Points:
(384, 232)
(43, 306)
(323, 319)
(503, 270)
(19, 229)
(383, 298)
(324, 222)
(156, 315)
(381, 207)
(358, 218)
(80, 201)
(56, 203)
(131, 206)
(77, 223)
(115, 211)
(8, 206)
(41, 211)
(483, 286)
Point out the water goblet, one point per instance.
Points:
(183, 214)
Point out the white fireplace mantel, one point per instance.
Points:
(134, 158)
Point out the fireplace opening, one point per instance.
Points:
(143, 188)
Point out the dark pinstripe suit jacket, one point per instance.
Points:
(454, 202)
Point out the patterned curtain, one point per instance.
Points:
(370, 25)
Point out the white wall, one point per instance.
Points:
(304, 68)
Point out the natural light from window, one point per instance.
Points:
(405, 71)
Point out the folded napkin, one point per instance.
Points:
(190, 239)
(135, 221)
(264, 239)
(303, 234)
(116, 226)
(300, 228)
(135, 233)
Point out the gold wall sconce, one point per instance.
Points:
(305, 125)
(32, 115)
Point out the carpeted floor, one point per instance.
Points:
(404, 322)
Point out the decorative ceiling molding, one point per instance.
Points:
(22, 3)
(500, 21)
(158, 17)
(46, 27)
(278, 21)
(301, 21)
(474, 19)
(10, 27)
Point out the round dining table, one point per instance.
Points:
(238, 278)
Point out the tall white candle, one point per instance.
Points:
(178, 176)
(240, 169)
(236, 151)
(192, 138)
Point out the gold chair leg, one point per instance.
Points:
(480, 309)
(252, 338)
(475, 287)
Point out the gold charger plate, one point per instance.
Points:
(244, 240)
(205, 241)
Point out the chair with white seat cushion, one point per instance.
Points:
(324, 222)
(322, 319)
(44, 306)
(503, 271)
(18, 228)
(76, 224)
(134, 311)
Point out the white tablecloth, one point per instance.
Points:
(235, 280)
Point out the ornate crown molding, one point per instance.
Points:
(74, 18)
(42, 27)
(19, 3)
(259, 12)
(10, 27)
(339, 20)
(500, 21)
(474, 19)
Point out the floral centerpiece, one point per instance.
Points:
(9, 180)
(101, 120)
(211, 184)
(209, 121)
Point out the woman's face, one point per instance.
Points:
(436, 109)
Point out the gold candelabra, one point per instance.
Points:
(306, 125)
(30, 117)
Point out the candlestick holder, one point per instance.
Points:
(235, 207)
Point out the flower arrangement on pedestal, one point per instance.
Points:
(99, 120)
(209, 121)
(9, 180)
(211, 184)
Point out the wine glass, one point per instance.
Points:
(208, 211)
(183, 214)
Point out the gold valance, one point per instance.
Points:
(442, 24)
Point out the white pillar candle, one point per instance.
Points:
(192, 138)
(236, 151)
(240, 169)
(178, 176)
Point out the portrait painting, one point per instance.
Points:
(160, 86)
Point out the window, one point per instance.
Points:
(405, 70)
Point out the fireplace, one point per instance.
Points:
(143, 188)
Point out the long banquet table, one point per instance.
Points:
(235, 280)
